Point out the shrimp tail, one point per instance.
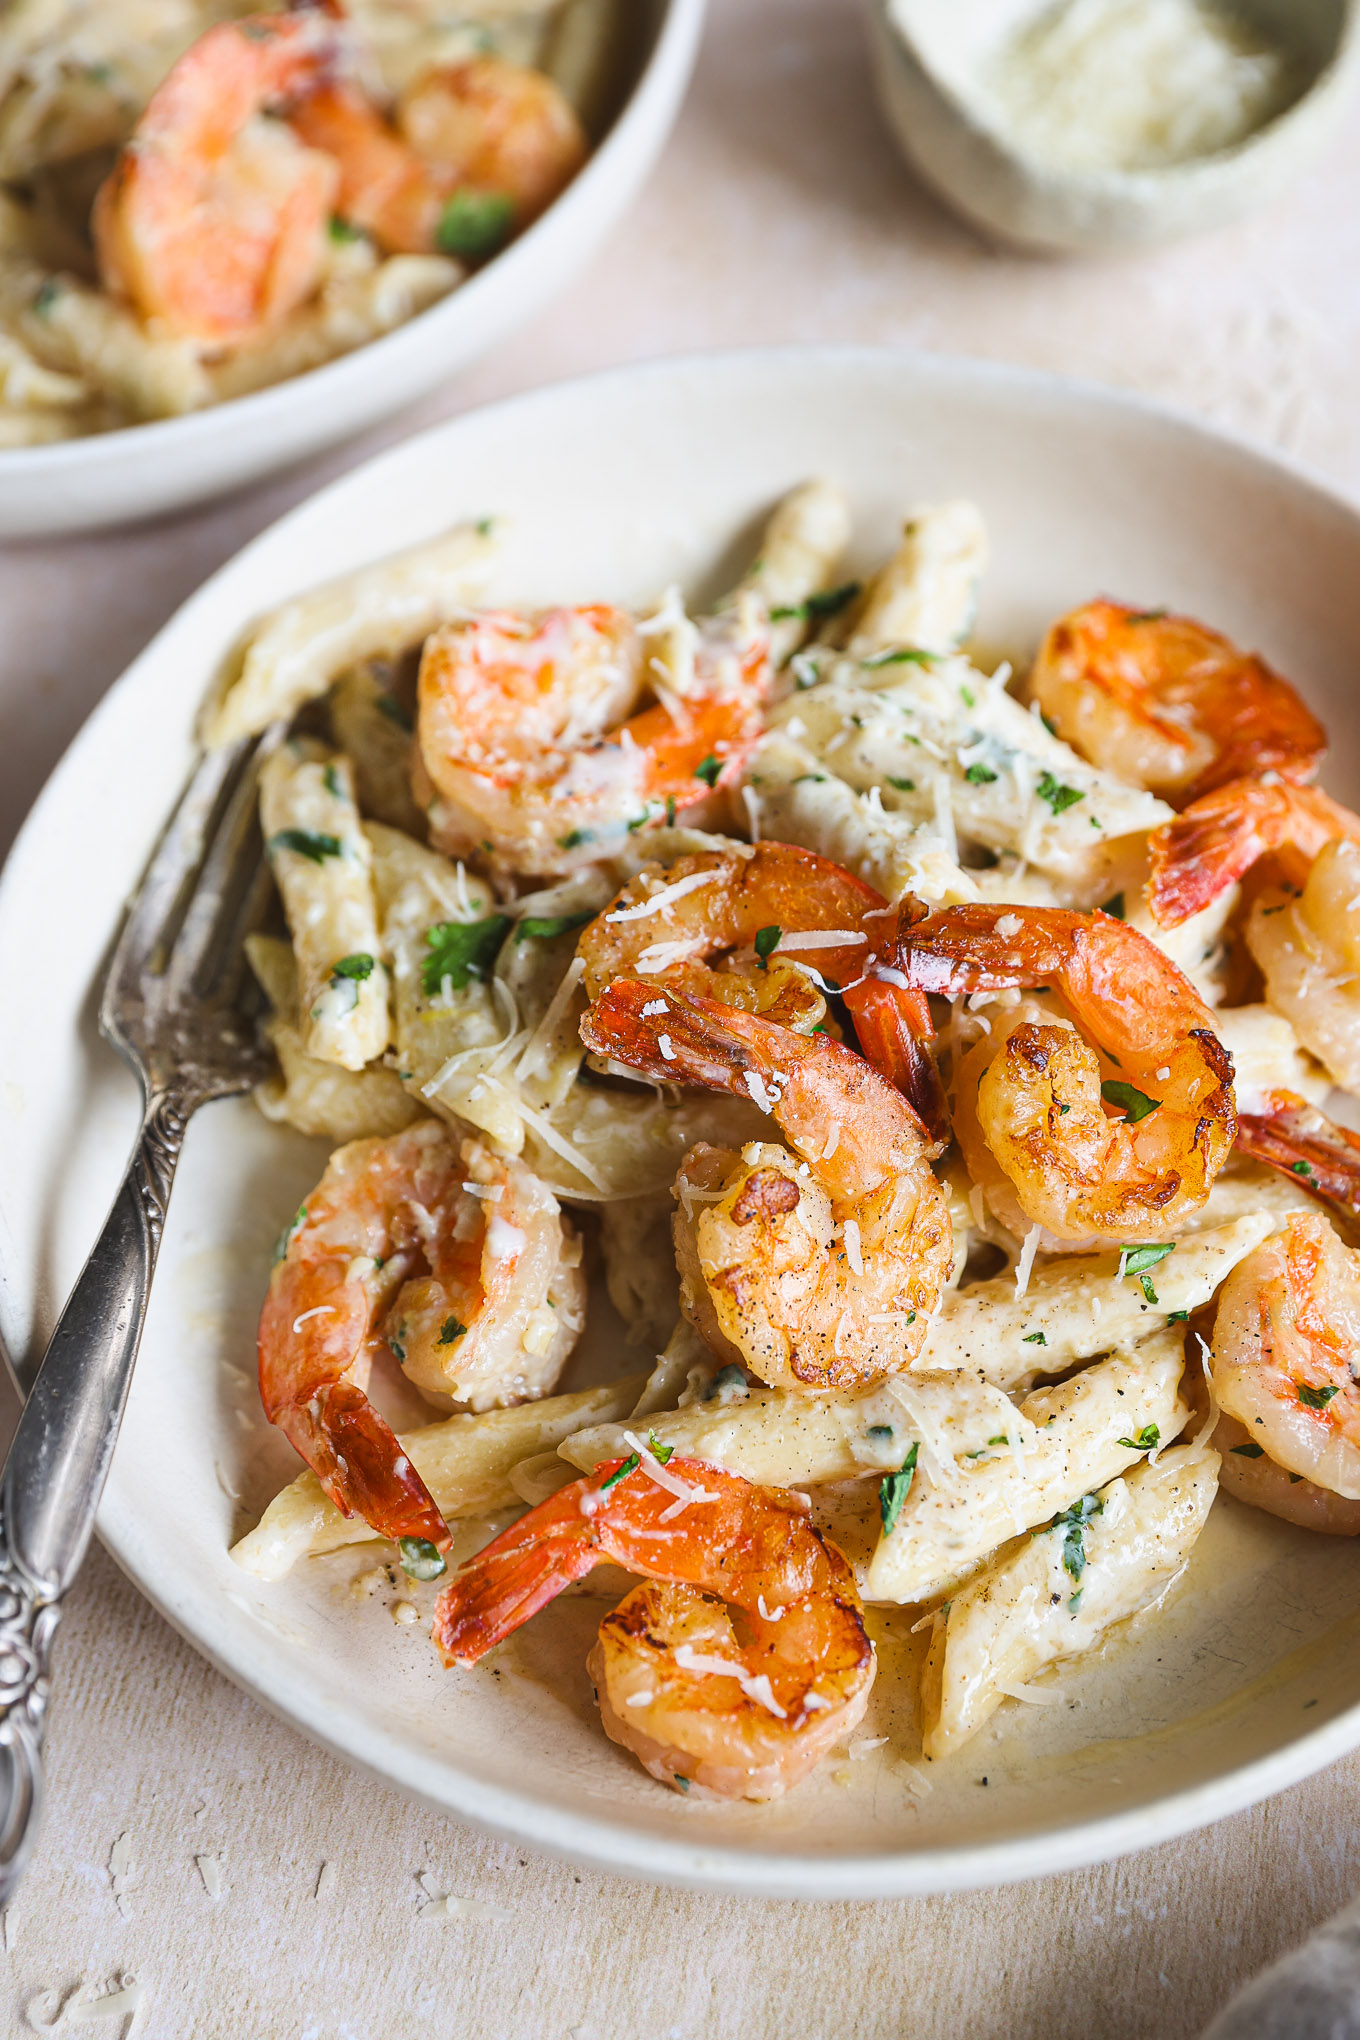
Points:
(1216, 840)
(1303, 1143)
(670, 1036)
(518, 1573)
(894, 1028)
(359, 1462)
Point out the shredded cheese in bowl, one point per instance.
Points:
(1138, 84)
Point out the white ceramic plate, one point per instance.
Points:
(144, 470)
(1248, 1680)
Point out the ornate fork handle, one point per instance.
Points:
(58, 1462)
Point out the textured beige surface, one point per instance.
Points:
(780, 213)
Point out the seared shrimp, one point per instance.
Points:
(1169, 704)
(523, 743)
(479, 149)
(818, 1268)
(1299, 1140)
(1307, 946)
(458, 1261)
(1286, 1357)
(1039, 1102)
(745, 1720)
(756, 927)
(1218, 839)
(213, 219)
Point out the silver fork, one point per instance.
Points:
(177, 1004)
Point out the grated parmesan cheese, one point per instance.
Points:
(1101, 85)
(1025, 1265)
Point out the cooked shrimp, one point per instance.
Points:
(745, 1720)
(1074, 1170)
(496, 128)
(1169, 704)
(1218, 839)
(213, 219)
(818, 1268)
(478, 150)
(1301, 1142)
(1286, 1355)
(458, 1261)
(754, 927)
(522, 738)
(1307, 946)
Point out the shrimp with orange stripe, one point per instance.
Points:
(1030, 1098)
(694, 1704)
(456, 1261)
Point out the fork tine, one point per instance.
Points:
(232, 887)
(163, 894)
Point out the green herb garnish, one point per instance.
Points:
(1114, 906)
(285, 1238)
(827, 602)
(1058, 796)
(1035, 1339)
(1316, 1398)
(1301, 1168)
(894, 1488)
(460, 950)
(340, 229)
(358, 967)
(1178, 1317)
(903, 785)
(979, 775)
(474, 224)
(1251, 1450)
(766, 942)
(1146, 615)
(1073, 1521)
(708, 771)
(574, 838)
(901, 655)
(306, 843)
(451, 1329)
(1146, 1440)
(660, 1453)
(388, 705)
(621, 1472)
(330, 779)
(547, 928)
(421, 1559)
(1135, 1260)
(1137, 1105)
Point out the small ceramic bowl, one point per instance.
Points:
(146, 470)
(929, 64)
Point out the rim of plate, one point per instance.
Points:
(671, 56)
(591, 1839)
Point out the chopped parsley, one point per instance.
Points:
(548, 927)
(1114, 907)
(450, 1330)
(1316, 1398)
(901, 655)
(331, 780)
(1073, 1523)
(358, 967)
(880, 1430)
(1049, 725)
(1035, 1339)
(1136, 1104)
(979, 775)
(817, 778)
(766, 942)
(420, 1559)
(968, 697)
(47, 296)
(727, 1377)
(1251, 1450)
(1178, 1317)
(306, 843)
(827, 602)
(1146, 1440)
(574, 838)
(894, 1488)
(1059, 797)
(340, 229)
(1136, 1260)
(460, 950)
(1146, 615)
(1301, 1168)
(1145, 1284)
(903, 785)
(708, 771)
(474, 224)
(621, 1472)
(670, 811)
(660, 1453)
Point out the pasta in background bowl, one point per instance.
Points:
(1163, 1727)
(456, 167)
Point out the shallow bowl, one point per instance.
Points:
(1248, 1679)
